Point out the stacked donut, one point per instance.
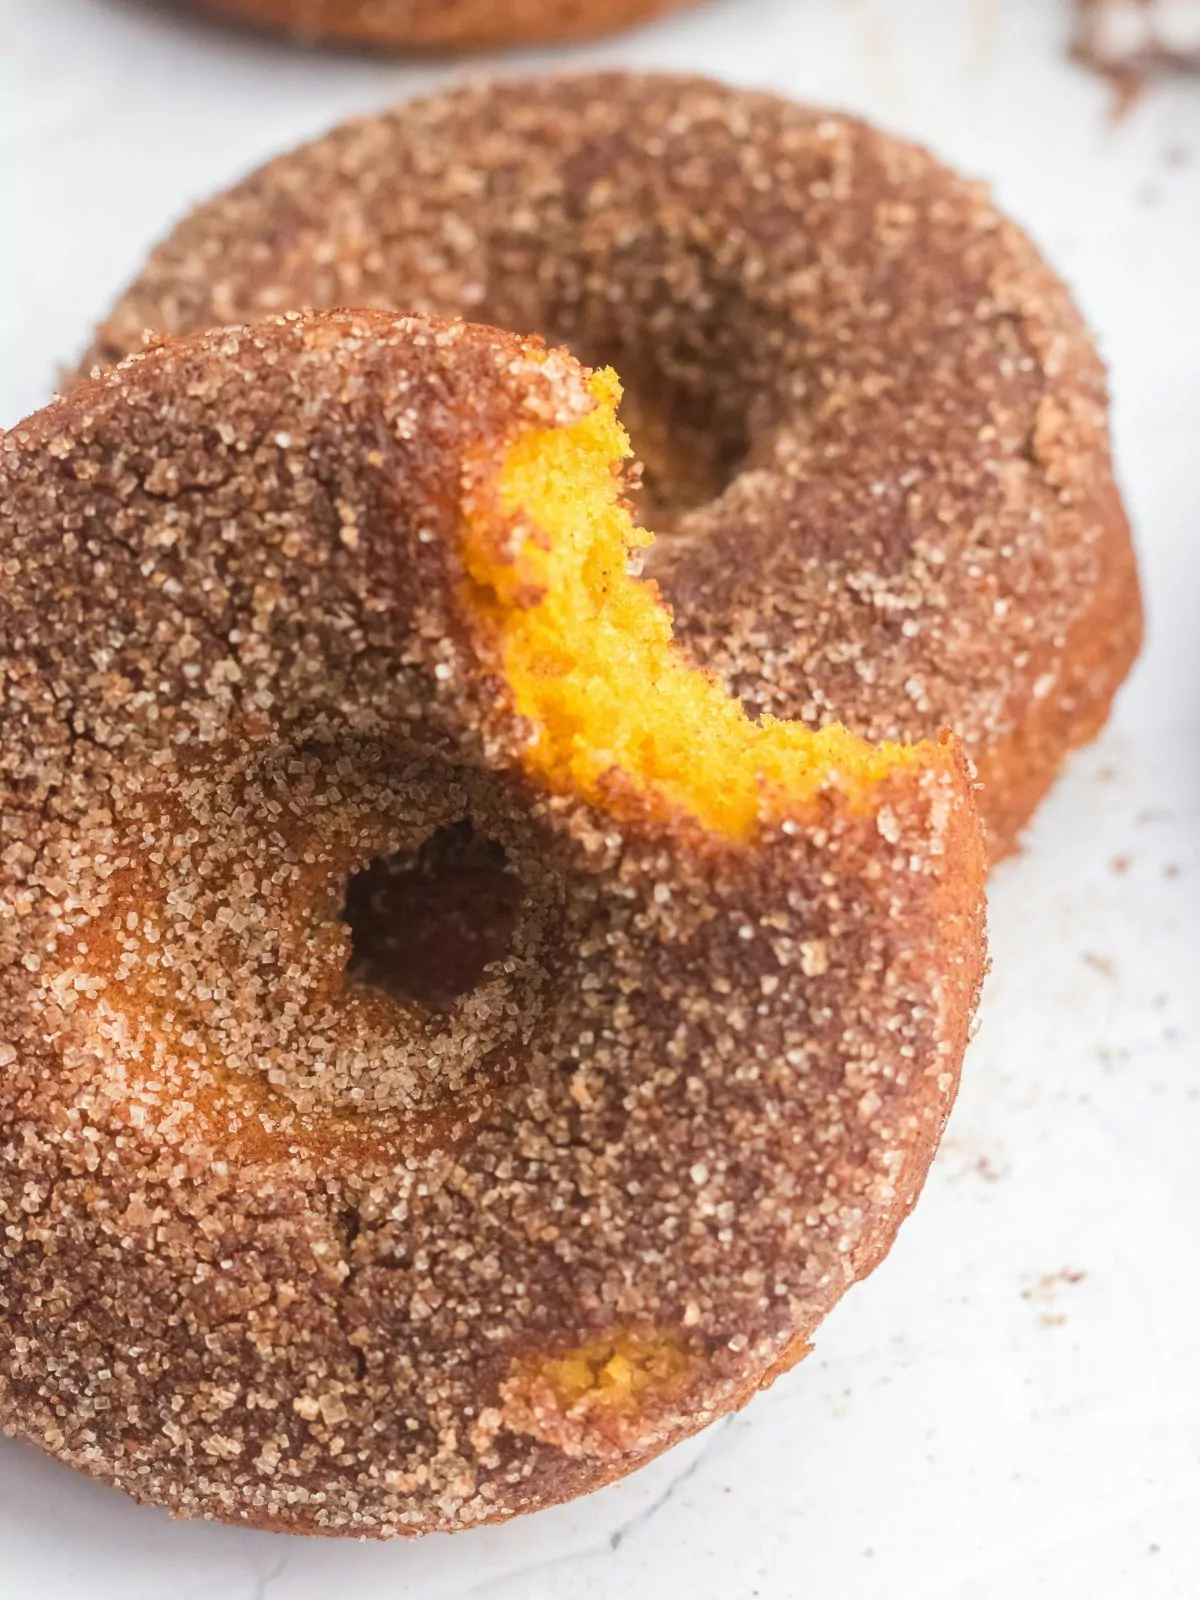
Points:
(476, 986)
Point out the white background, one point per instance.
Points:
(1011, 1406)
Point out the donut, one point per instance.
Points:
(442, 25)
(873, 426)
(319, 645)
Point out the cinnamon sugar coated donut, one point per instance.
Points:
(873, 423)
(317, 643)
(442, 25)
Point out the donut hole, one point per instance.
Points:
(427, 924)
(691, 443)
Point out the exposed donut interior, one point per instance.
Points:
(591, 663)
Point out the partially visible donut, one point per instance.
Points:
(290, 1233)
(871, 406)
(442, 25)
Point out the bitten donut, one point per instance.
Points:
(872, 420)
(442, 25)
(448, 1052)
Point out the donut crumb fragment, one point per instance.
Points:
(586, 1400)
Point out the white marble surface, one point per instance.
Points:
(1011, 1407)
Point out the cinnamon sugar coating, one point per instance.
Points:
(442, 25)
(871, 416)
(281, 1250)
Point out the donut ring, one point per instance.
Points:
(442, 25)
(284, 1248)
(871, 408)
